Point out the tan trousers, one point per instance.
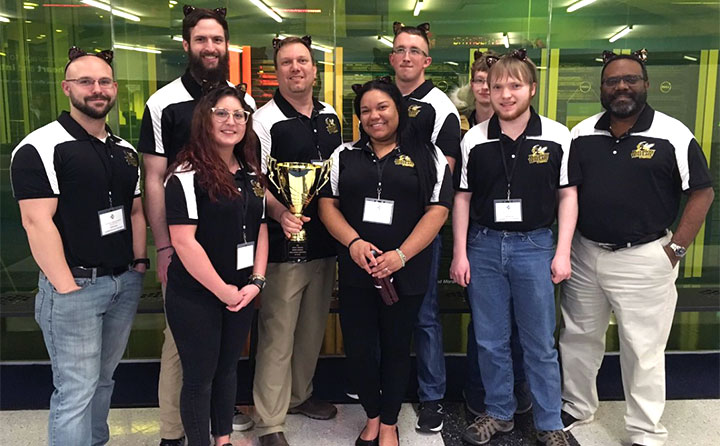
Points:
(169, 387)
(638, 285)
(291, 325)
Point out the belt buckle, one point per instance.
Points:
(607, 246)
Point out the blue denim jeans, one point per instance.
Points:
(510, 273)
(85, 333)
(428, 337)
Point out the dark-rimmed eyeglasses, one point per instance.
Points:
(415, 52)
(88, 82)
(631, 80)
(222, 115)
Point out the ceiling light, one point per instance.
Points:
(235, 48)
(599, 59)
(4, 19)
(385, 41)
(173, 2)
(267, 10)
(455, 64)
(690, 58)
(142, 49)
(580, 4)
(620, 34)
(2, 54)
(418, 7)
(106, 7)
(177, 38)
(506, 40)
(28, 7)
(325, 63)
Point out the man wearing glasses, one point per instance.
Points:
(78, 187)
(630, 163)
(433, 115)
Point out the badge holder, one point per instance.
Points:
(112, 220)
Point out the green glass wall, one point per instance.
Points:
(682, 37)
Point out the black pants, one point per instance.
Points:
(209, 340)
(365, 319)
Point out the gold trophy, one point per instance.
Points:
(297, 185)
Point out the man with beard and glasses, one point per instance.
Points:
(165, 130)
(78, 187)
(630, 163)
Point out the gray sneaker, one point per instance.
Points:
(242, 422)
(552, 438)
(484, 428)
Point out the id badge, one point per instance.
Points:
(112, 220)
(245, 255)
(378, 211)
(509, 211)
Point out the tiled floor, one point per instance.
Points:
(691, 423)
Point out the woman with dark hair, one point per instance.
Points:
(215, 208)
(385, 202)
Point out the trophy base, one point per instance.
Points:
(297, 251)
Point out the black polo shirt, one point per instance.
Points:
(354, 177)
(61, 160)
(168, 117)
(288, 135)
(219, 224)
(435, 117)
(629, 187)
(540, 156)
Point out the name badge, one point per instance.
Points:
(245, 255)
(509, 211)
(378, 211)
(112, 220)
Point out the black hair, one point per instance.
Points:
(632, 57)
(195, 15)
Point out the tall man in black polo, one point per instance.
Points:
(293, 126)
(165, 129)
(432, 114)
(631, 163)
(78, 187)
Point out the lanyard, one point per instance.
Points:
(380, 168)
(509, 173)
(245, 197)
(107, 163)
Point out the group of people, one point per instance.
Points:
(220, 230)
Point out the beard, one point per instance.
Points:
(520, 108)
(216, 75)
(635, 101)
(83, 106)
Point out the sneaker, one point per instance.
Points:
(315, 409)
(482, 430)
(552, 438)
(176, 442)
(430, 417)
(242, 422)
(523, 398)
(570, 421)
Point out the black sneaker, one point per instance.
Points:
(570, 421)
(176, 442)
(430, 417)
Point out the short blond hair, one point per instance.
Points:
(511, 66)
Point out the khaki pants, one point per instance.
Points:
(169, 387)
(291, 325)
(638, 285)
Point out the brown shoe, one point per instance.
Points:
(274, 439)
(315, 409)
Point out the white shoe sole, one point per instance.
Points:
(433, 430)
(578, 423)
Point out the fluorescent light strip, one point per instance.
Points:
(455, 64)
(690, 58)
(620, 34)
(4, 19)
(177, 38)
(385, 41)
(235, 48)
(267, 10)
(580, 4)
(113, 11)
(506, 40)
(418, 7)
(142, 49)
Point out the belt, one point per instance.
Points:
(81, 272)
(642, 241)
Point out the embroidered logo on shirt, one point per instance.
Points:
(644, 151)
(539, 155)
(414, 110)
(257, 188)
(405, 161)
(131, 159)
(331, 125)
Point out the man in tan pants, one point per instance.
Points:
(294, 306)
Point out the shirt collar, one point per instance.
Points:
(422, 91)
(289, 111)
(533, 128)
(77, 131)
(644, 121)
(191, 85)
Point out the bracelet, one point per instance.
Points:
(403, 259)
(353, 241)
(256, 276)
(163, 248)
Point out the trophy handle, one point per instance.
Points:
(325, 173)
(271, 164)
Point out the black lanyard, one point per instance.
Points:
(381, 167)
(245, 197)
(509, 173)
(107, 163)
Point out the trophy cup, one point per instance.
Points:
(297, 185)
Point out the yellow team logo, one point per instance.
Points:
(331, 125)
(414, 110)
(131, 158)
(405, 161)
(257, 188)
(644, 151)
(539, 155)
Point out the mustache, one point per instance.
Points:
(97, 96)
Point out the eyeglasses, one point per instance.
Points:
(632, 80)
(415, 52)
(222, 115)
(88, 82)
(479, 81)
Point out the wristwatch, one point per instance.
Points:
(257, 280)
(679, 251)
(144, 261)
